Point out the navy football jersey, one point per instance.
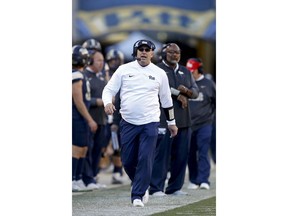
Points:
(76, 77)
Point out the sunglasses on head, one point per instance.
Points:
(142, 49)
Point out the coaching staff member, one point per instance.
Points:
(141, 84)
(172, 154)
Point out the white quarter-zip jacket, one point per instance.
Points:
(140, 91)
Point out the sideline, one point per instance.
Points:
(115, 199)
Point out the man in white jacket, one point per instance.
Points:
(142, 84)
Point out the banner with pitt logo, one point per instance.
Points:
(187, 18)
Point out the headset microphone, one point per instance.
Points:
(138, 59)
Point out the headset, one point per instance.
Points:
(139, 43)
(164, 50)
(79, 56)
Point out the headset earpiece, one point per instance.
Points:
(135, 46)
(163, 51)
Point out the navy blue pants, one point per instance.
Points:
(213, 142)
(161, 164)
(93, 157)
(171, 155)
(137, 154)
(199, 159)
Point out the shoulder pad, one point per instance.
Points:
(77, 75)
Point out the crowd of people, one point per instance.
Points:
(159, 118)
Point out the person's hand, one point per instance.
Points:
(184, 90)
(173, 130)
(93, 126)
(109, 109)
(183, 100)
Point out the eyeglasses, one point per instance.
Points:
(146, 49)
(173, 52)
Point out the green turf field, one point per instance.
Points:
(205, 207)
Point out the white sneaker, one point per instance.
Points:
(92, 186)
(138, 203)
(75, 187)
(204, 186)
(179, 193)
(82, 186)
(159, 194)
(117, 178)
(145, 198)
(193, 186)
